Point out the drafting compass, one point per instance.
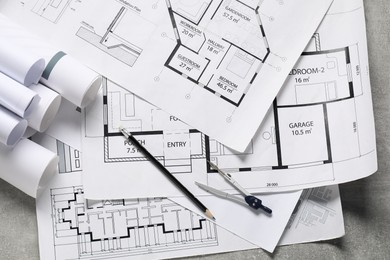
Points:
(248, 198)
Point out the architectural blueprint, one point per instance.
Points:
(71, 227)
(216, 65)
(154, 227)
(150, 228)
(319, 131)
(77, 226)
(318, 216)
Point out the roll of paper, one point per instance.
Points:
(16, 97)
(46, 110)
(65, 75)
(29, 132)
(71, 79)
(12, 127)
(19, 63)
(28, 166)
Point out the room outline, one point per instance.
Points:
(210, 51)
(337, 94)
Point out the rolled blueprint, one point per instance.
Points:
(29, 132)
(65, 75)
(16, 97)
(12, 127)
(28, 166)
(19, 63)
(46, 110)
(74, 81)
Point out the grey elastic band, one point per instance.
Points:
(52, 63)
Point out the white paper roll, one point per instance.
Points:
(16, 97)
(65, 75)
(46, 110)
(29, 132)
(19, 63)
(12, 127)
(28, 166)
(74, 81)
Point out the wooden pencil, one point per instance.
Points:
(167, 173)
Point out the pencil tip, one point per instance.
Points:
(209, 215)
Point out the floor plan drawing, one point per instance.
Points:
(223, 60)
(315, 211)
(212, 51)
(109, 228)
(51, 10)
(303, 130)
(156, 228)
(169, 139)
(303, 113)
(318, 215)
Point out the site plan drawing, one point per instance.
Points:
(319, 131)
(216, 65)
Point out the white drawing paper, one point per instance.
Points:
(217, 65)
(255, 226)
(28, 166)
(66, 126)
(17, 98)
(71, 227)
(319, 130)
(318, 216)
(185, 150)
(12, 127)
(19, 63)
(46, 109)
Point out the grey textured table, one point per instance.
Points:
(366, 203)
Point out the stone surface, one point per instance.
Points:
(366, 202)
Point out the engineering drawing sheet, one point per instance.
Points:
(154, 227)
(72, 227)
(317, 216)
(319, 130)
(99, 229)
(215, 64)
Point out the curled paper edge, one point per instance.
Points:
(29, 166)
(13, 127)
(46, 110)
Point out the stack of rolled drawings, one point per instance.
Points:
(34, 77)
